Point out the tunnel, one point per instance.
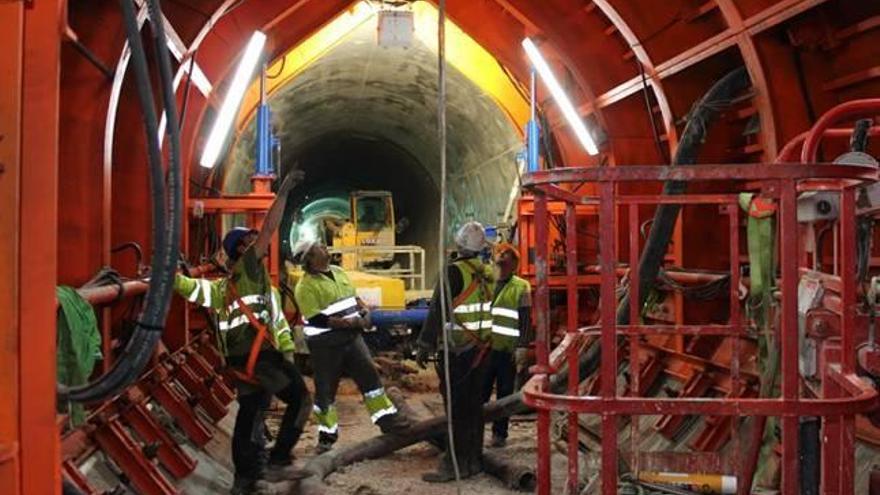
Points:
(364, 117)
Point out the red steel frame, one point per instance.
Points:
(843, 395)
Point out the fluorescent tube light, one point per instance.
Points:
(234, 95)
(562, 100)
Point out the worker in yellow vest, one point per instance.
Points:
(256, 341)
(511, 333)
(334, 319)
(470, 292)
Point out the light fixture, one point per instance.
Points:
(568, 110)
(225, 117)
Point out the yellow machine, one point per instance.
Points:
(371, 225)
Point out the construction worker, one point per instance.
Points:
(511, 335)
(470, 288)
(256, 340)
(334, 319)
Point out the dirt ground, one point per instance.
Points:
(400, 473)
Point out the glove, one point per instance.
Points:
(422, 356)
(521, 357)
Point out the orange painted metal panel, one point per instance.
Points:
(11, 15)
(40, 447)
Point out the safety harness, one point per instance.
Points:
(478, 281)
(262, 335)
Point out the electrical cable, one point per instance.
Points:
(656, 133)
(445, 299)
(166, 224)
(704, 111)
(186, 89)
(280, 69)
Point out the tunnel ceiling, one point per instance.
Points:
(359, 90)
(803, 57)
(365, 117)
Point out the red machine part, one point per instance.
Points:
(128, 454)
(843, 394)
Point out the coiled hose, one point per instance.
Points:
(166, 221)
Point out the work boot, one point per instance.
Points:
(283, 469)
(394, 423)
(498, 442)
(474, 467)
(325, 442)
(244, 486)
(442, 475)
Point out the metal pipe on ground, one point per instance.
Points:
(425, 430)
(516, 476)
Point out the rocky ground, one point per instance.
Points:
(400, 473)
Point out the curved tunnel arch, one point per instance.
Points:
(365, 117)
(688, 44)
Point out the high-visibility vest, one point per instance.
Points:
(505, 314)
(236, 332)
(318, 294)
(472, 308)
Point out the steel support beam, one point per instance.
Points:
(38, 186)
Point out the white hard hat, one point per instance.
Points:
(471, 237)
(301, 249)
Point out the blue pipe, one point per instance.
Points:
(263, 167)
(411, 317)
(533, 132)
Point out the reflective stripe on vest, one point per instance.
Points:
(235, 318)
(343, 308)
(505, 322)
(505, 314)
(473, 314)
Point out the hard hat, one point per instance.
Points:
(301, 249)
(471, 237)
(506, 247)
(233, 237)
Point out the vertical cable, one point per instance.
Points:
(445, 302)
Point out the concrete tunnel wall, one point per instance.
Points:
(365, 117)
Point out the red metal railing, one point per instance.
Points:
(842, 395)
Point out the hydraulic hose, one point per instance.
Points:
(700, 117)
(704, 111)
(165, 229)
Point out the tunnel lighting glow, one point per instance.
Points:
(568, 110)
(239, 84)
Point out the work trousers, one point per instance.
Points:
(330, 362)
(467, 370)
(500, 375)
(248, 439)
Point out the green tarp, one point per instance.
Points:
(78, 344)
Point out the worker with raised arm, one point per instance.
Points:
(258, 346)
(511, 333)
(470, 292)
(334, 319)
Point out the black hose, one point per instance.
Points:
(717, 98)
(175, 189)
(138, 251)
(649, 267)
(165, 231)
